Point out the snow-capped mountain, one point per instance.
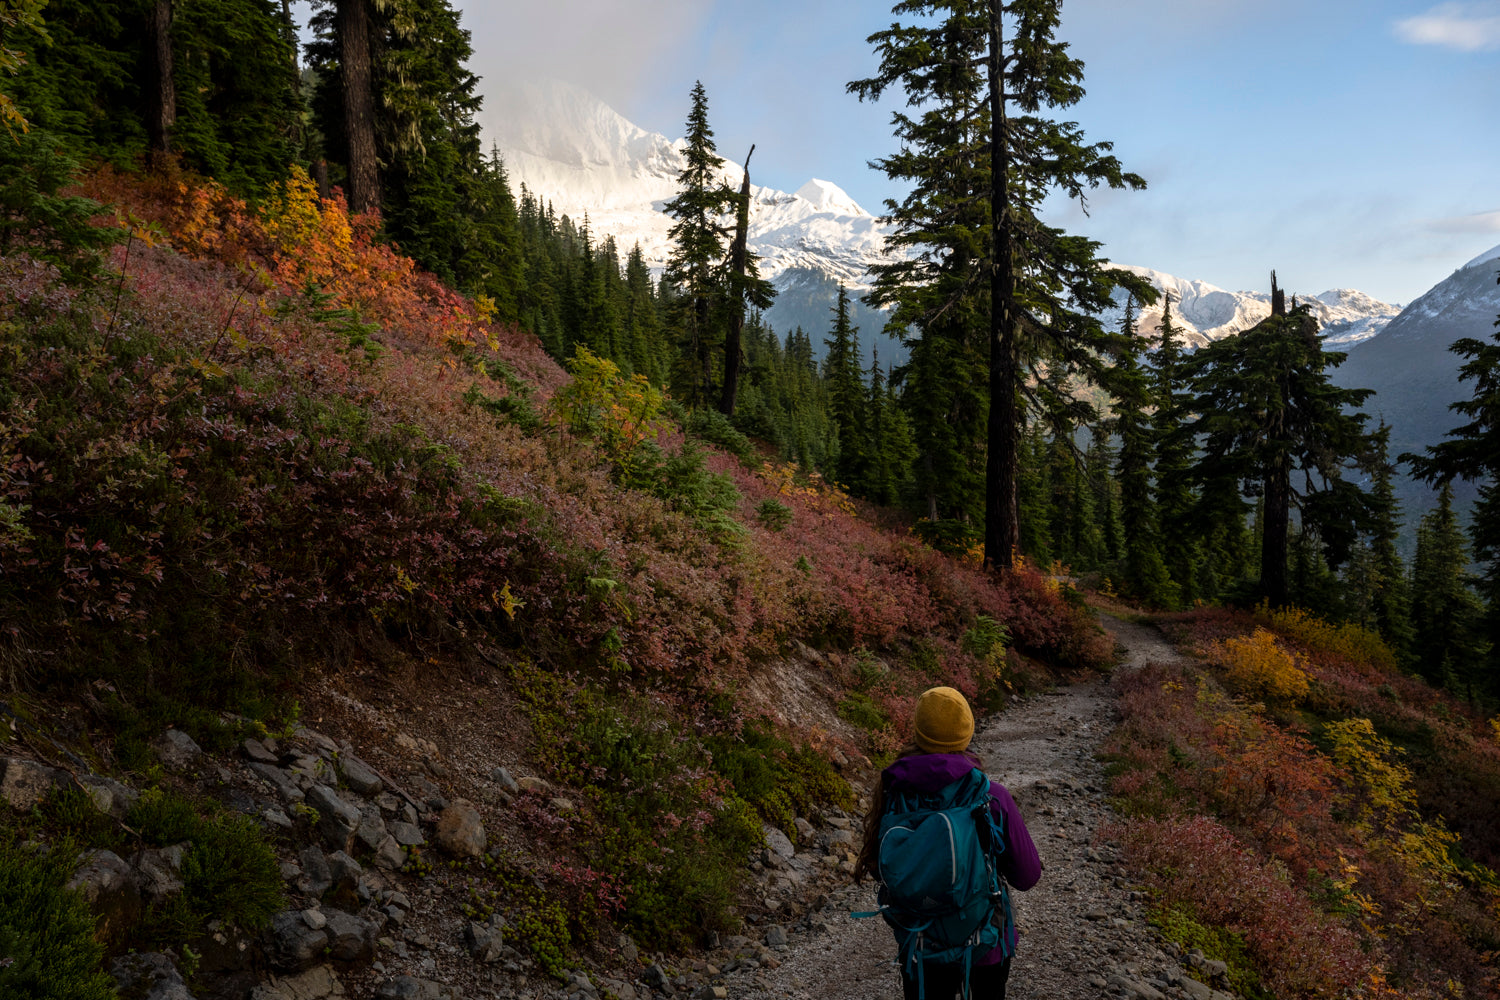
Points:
(1203, 312)
(571, 149)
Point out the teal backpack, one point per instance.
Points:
(940, 891)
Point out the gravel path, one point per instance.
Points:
(1084, 934)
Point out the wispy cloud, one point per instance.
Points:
(1479, 222)
(1468, 27)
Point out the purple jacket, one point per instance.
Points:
(1020, 863)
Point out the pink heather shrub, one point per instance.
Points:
(1197, 863)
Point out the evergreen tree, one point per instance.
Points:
(846, 392)
(981, 158)
(1172, 472)
(694, 264)
(1266, 409)
(1390, 600)
(211, 81)
(889, 442)
(1472, 451)
(1144, 575)
(1445, 613)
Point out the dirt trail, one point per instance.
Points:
(1084, 935)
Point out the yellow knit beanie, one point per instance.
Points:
(943, 722)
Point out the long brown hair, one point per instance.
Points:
(869, 852)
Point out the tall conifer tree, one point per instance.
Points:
(695, 263)
(981, 157)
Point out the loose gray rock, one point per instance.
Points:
(257, 752)
(531, 783)
(341, 866)
(318, 983)
(351, 938)
(460, 831)
(280, 780)
(1134, 989)
(484, 940)
(317, 876)
(389, 854)
(776, 936)
(407, 834)
(412, 988)
(109, 796)
(176, 750)
(314, 919)
(372, 831)
(501, 777)
(149, 976)
(388, 803)
(291, 945)
(25, 783)
(805, 830)
(358, 775)
(628, 950)
(778, 842)
(338, 821)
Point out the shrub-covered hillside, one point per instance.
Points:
(258, 449)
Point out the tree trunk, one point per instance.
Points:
(161, 115)
(1002, 530)
(359, 104)
(739, 261)
(1276, 517)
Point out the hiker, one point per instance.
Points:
(968, 934)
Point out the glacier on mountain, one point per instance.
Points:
(571, 149)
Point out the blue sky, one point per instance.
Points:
(1346, 143)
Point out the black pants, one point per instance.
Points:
(942, 982)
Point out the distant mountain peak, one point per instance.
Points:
(827, 196)
(1493, 253)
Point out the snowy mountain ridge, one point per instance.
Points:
(570, 148)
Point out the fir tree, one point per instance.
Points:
(694, 264)
(1472, 451)
(1390, 599)
(846, 392)
(980, 159)
(1174, 455)
(1445, 613)
(1144, 574)
(746, 290)
(1267, 409)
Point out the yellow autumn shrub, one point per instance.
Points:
(1257, 664)
(1347, 641)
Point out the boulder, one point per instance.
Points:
(501, 777)
(407, 834)
(157, 873)
(25, 783)
(531, 783)
(149, 976)
(291, 945)
(460, 831)
(109, 796)
(107, 884)
(318, 983)
(778, 842)
(350, 938)
(359, 776)
(176, 750)
(338, 821)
